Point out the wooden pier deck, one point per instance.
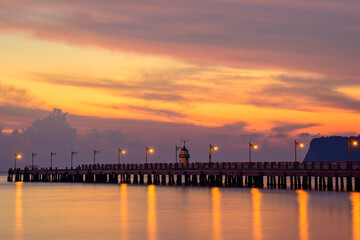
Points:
(284, 175)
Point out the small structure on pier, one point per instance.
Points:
(184, 154)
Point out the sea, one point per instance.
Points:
(36, 211)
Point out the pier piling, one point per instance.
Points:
(277, 175)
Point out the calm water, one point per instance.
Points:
(96, 211)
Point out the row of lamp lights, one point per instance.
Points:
(296, 145)
(120, 151)
(215, 148)
(151, 150)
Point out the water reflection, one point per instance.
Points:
(302, 198)
(18, 211)
(151, 212)
(216, 201)
(256, 203)
(123, 211)
(355, 201)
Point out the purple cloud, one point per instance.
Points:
(312, 35)
(54, 133)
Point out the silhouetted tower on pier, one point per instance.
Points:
(184, 154)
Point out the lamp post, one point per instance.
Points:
(17, 156)
(120, 151)
(177, 148)
(254, 146)
(350, 142)
(72, 154)
(147, 149)
(212, 148)
(95, 152)
(32, 160)
(51, 157)
(298, 144)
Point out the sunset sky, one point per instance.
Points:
(273, 68)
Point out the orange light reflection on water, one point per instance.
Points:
(355, 201)
(303, 198)
(151, 213)
(123, 211)
(216, 212)
(256, 203)
(18, 211)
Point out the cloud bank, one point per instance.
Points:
(272, 69)
(317, 36)
(53, 133)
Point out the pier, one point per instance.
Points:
(281, 175)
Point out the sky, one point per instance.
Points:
(222, 72)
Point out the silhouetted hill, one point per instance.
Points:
(332, 149)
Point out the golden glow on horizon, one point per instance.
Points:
(256, 203)
(355, 201)
(216, 213)
(152, 225)
(124, 211)
(352, 92)
(18, 212)
(303, 198)
(91, 81)
(355, 143)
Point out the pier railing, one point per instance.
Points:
(250, 174)
(228, 165)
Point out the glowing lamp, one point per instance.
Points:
(211, 149)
